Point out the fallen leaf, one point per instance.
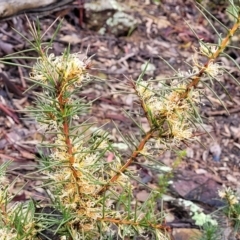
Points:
(27, 155)
(72, 39)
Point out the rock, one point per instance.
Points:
(121, 24)
(109, 16)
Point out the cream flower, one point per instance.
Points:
(228, 195)
(63, 68)
(207, 49)
(213, 69)
(144, 90)
(7, 234)
(232, 199)
(181, 131)
(222, 193)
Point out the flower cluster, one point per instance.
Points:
(169, 109)
(78, 170)
(54, 69)
(207, 49)
(78, 192)
(212, 69)
(10, 211)
(8, 234)
(229, 196)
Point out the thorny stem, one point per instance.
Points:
(133, 223)
(140, 147)
(222, 46)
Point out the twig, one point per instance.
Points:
(127, 222)
(10, 113)
(223, 112)
(222, 46)
(24, 85)
(129, 161)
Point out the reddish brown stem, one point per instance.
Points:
(220, 49)
(62, 103)
(140, 147)
(129, 161)
(128, 222)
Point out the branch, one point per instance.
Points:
(222, 46)
(134, 223)
(140, 147)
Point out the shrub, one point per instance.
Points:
(92, 198)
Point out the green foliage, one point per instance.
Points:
(232, 208)
(168, 173)
(211, 232)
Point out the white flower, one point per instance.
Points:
(7, 234)
(229, 195)
(221, 193)
(63, 68)
(207, 49)
(144, 90)
(213, 69)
